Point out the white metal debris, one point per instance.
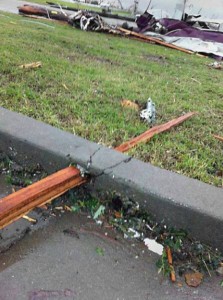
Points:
(149, 114)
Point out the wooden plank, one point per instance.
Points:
(147, 135)
(153, 40)
(21, 202)
(218, 137)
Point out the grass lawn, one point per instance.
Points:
(82, 6)
(100, 70)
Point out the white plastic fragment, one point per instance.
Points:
(153, 246)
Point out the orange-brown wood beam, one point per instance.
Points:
(147, 135)
(146, 38)
(21, 202)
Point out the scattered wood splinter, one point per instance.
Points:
(218, 137)
(64, 85)
(67, 208)
(31, 220)
(33, 65)
(129, 104)
(170, 262)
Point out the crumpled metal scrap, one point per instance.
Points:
(149, 114)
(87, 21)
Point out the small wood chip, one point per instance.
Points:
(117, 214)
(58, 207)
(31, 220)
(33, 65)
(129, 104)
(64, 85)
(67, 208)
(193, 279)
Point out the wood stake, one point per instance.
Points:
(147, 135)
(170, 261)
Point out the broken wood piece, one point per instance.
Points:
(33, 65)
(146, 38)
(67, 208)
(59, 208)
(31, 220)
(218, 137)
(170, 262)
(147, 135)
(14, 206)
(129, 104)
(64, 85)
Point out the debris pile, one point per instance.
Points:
(187, 35)
(191, 35)
(180, 255)
(86, 21)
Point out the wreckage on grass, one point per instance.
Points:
(81, 19)
(194, 36)
(87, 21)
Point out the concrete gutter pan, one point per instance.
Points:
(176, 199)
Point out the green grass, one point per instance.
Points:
(83, 6)
(100, 70)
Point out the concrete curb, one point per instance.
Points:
(176, 199)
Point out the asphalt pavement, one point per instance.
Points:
(73, 258)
